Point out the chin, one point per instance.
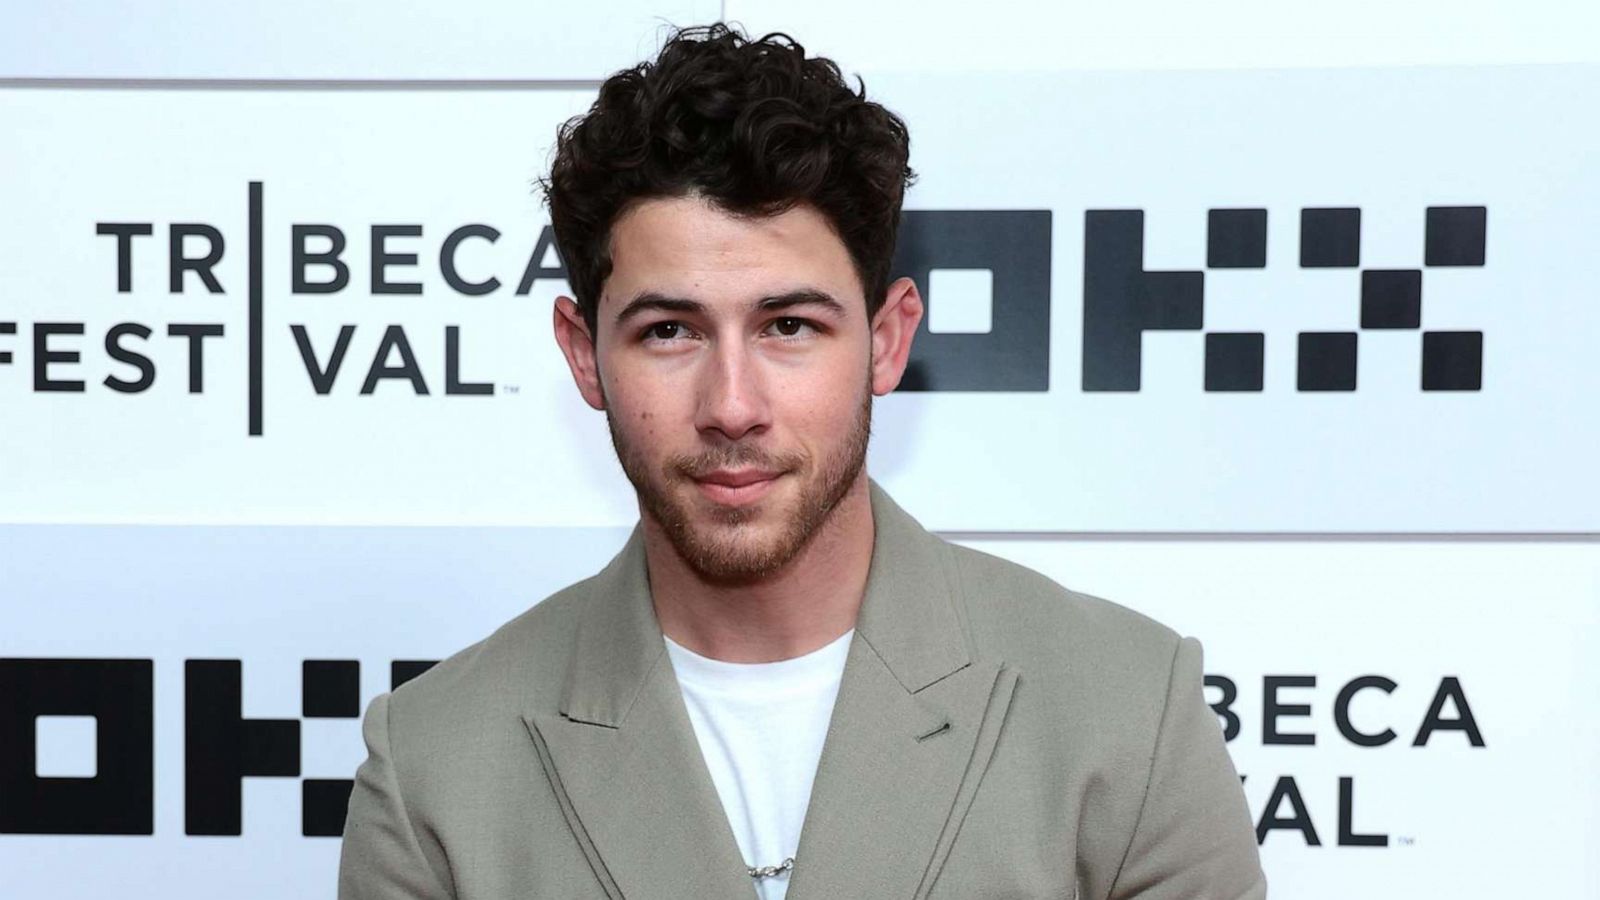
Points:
(726, 551)
(743, 524)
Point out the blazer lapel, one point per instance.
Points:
(622, 755)
(913, 729)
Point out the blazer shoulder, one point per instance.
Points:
(454, 738)
(520, 663)
(995, 587)
(1077, 639)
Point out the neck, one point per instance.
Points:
(801, 607)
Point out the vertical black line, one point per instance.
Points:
(255, 309)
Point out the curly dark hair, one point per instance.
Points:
(752, 125)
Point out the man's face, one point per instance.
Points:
(735, 360)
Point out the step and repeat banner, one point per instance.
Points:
(1301, 362)
(1241, 301)
(1412, 719)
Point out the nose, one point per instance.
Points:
(732, 394)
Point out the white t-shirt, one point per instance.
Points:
(760, 728)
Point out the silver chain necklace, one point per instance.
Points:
(769, 871)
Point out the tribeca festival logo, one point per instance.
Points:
(316, 267)
(1283, 724)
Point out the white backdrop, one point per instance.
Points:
(1427, 537)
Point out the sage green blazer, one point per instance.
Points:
(995, 736)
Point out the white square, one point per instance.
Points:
(960, 301)
(64, 747)
(330, 748)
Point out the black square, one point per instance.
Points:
(1327, 361)
(1456, 235)
(1452, 360)
(1234, 360)
(119, 694)
(1236, 239)
(1391, 298)
(1330, 238)
(330, 689)
(1015, 246)
(403, 670)
(324, 802)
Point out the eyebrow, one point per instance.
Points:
(651, 300)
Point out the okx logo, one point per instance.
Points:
(1122, 300)
(108, 704)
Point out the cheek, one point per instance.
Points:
(642, 406)
(642, 422)
(823, 410)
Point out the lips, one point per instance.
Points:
(737, 488)
(737, 479)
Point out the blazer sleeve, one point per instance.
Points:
(1193, 838)
(381, 857)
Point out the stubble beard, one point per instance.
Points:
(729, 550)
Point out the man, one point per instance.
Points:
(782, 684)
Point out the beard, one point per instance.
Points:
(727, 545)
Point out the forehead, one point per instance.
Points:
(689, 247)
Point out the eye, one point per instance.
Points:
(790, 326)
(664, 331)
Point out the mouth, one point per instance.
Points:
(736, 487)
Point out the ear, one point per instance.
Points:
(577, 345)
(892, 330)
